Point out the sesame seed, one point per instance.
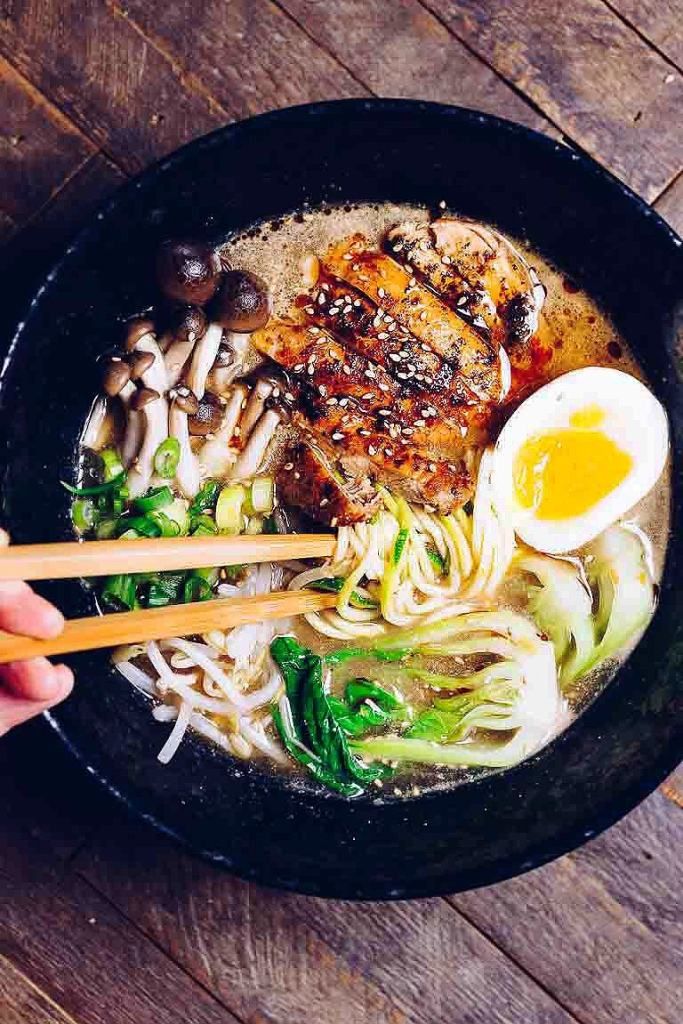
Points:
(404, 354)
(424, 412)
(367, 396)
(370, 373)
(411, 367)
(394, 430)
(331, 401)
(445, 259)
(339, 301)
(462, 301)
(452, 467)
(333, 521)
(372, 450)
(297, 476)
(402, 376)
(347, 369)
(298, 368)
(419, 376)
(343, 402)
(347, 256)
(311, 369)
(365, 433)
(423, 315)
(407, 431)
(347, 309)
(384, 412)
(321, 298)
(325, 287)
(384, 387)
(381, 292)
(324, 501)
(420, 423)
(395, 358)
(243, 404)
(345, 418)
(310, 310)
(432, 467)
(289, 397)
(323, 390)
(377, 322)
(355, 266)
(429, 380)
(357, 302)
(442, 204)
(412, 282)
(288, 466)
(338, 436)
(425, 347)
(382, 335)
(389, 451)
(334, 310)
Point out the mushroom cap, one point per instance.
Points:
(139, 362)
(142, 397)
(115, 376)
(208, 417)
(137, 329)
(185, 399)
(242, 302)
(188, 323)
(187, 271)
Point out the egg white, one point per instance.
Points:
(633, 419)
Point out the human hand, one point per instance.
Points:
(29, 687)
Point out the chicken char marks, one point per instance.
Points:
(346, 405)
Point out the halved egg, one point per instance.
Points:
(577, 455)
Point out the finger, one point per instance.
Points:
(36, 679)
(22, 611)
(15, 709)
(4, 538)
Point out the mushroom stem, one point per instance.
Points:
(203, 357)
(135, 423)
(175, 358)
(252, 456)
(256, 404)
(221, 377)
(216, 455)
(155, 418)
(187, 473)
(90, 438)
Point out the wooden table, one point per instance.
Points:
(105, 922)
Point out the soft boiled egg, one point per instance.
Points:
(577, 455)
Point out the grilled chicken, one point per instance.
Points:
(477, 271)
(351, 408)
(310, 481)
(418, 310)
(332, 376)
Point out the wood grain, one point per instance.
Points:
(39, 149)
(299, 959)
(660, 21)
(401, 49)
(249, 56)
(122, 92)
(670, 205)
(22, 1003)
(601, 928)
(82, 953)
(589, 73)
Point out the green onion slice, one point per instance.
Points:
(167, 457)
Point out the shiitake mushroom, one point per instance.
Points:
(187, 271)
(207, 419)
(242, 302)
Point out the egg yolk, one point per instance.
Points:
(563, 473)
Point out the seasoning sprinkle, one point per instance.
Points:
(324, 501)
(338, 436)
(372, 450)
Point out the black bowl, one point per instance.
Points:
(257, 824)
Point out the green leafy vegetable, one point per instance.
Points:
(307, 722)
(112, 467)
(157, 498)
(84, 514)
(86, 492)
(437, 560)
(334, 584)
(119, 592)
(205, 500)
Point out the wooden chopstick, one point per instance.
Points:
(154, 554)
(156, 623)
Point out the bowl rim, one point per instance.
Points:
(595, 819)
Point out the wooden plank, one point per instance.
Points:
(400, 49)
(248, 55)
(600, 928)
(589, 73)
(29, 254)
(659, 21)
(125, 95)
(670, 205)
(82, 953)
(280, 957)
(22, 1003)
(39, 149)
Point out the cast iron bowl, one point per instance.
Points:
(254, 823)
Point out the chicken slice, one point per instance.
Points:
(483, 259)
(332, 376)
(421, 312)
(310, 481)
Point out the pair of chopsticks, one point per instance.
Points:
(111, 557)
